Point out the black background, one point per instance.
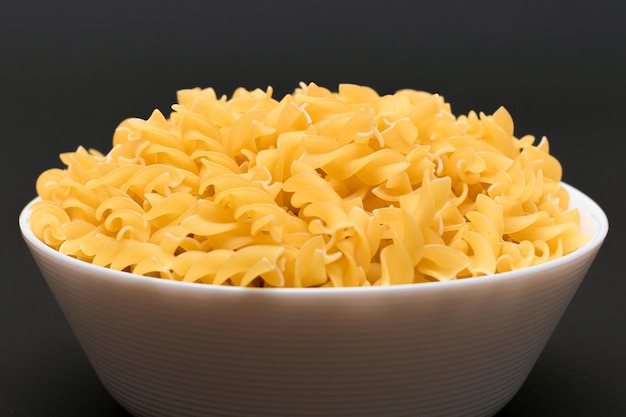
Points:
(70, 71)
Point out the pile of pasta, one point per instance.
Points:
(318, 189)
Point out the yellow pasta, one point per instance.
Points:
(316, 189)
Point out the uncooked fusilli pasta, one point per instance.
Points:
(319, 188)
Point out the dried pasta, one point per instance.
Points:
(318, 189)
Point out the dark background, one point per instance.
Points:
(70, 71)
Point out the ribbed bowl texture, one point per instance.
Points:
(460, 348)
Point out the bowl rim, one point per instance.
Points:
(587, 207)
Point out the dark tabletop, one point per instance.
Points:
(70, 71)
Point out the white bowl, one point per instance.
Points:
(459, 348)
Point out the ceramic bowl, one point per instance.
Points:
(460, 348)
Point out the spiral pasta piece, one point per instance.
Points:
(320, 188)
